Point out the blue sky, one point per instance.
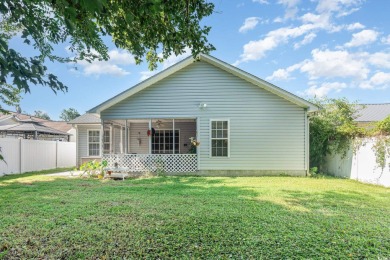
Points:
(334, 48)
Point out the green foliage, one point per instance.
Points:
(383, 127)
(69, 114)
(143, 27)
(46, 217)
(93, 168)
(332, 129)
(9, 95)
(41, 114)
(381, 148)
(160, 166)
(1, 156)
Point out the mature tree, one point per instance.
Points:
(69, 114)
(143, 27)
(9, 95)
(41, 114)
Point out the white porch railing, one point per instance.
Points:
(153, 162)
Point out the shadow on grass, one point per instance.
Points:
(29, 174)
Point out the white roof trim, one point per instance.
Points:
(213, 61)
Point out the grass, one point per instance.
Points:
(192, 217)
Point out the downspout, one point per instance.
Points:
(174, 136)
(77, 144)
(307, 145)
(150, 137)
(126, 138)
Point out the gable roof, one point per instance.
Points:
(373, 112)
(87, 118)
(213, 61)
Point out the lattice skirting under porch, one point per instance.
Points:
(153, 162)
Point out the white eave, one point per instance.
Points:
(213, 61)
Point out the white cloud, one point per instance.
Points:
(306, 40)
(171, 60)
(386, 40)
(109, 67)
(255, 50)
(354, 26)
(263, 2)
(284, 74)
(147, 74)
(331, 64)
(291, 10)
(312, 23)
(362, 38)
(249, 24)
(379, 59)
(340, 7)
(324, 89)
(378, 80)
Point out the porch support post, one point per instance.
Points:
(112, 150)
(101, 138)
(126, 138)
(150, 137)
(307, 144)
(198, 138)
(121, 142)
(173, 129)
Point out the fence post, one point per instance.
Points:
(21, 156)
(56, 154)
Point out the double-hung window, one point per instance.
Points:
(93, 143)
(219, 138)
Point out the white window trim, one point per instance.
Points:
(163, 129)
(88, 130)
(210, 138)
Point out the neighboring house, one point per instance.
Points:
(245, 125)
(19, 125)
(371, 113)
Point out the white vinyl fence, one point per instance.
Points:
(22, 155)
(360, 166)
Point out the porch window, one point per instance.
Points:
(162, 142)
(219, 138)
(106, 142)
(93, 143)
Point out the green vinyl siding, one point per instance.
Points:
(267, 132)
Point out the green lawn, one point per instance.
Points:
(193, 217)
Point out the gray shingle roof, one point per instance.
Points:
(87, 118)
(373, 112)
(31, 127)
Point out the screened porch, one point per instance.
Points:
(149, 145)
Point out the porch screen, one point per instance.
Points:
(219, 138)
(162, 142)
(106, 142)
